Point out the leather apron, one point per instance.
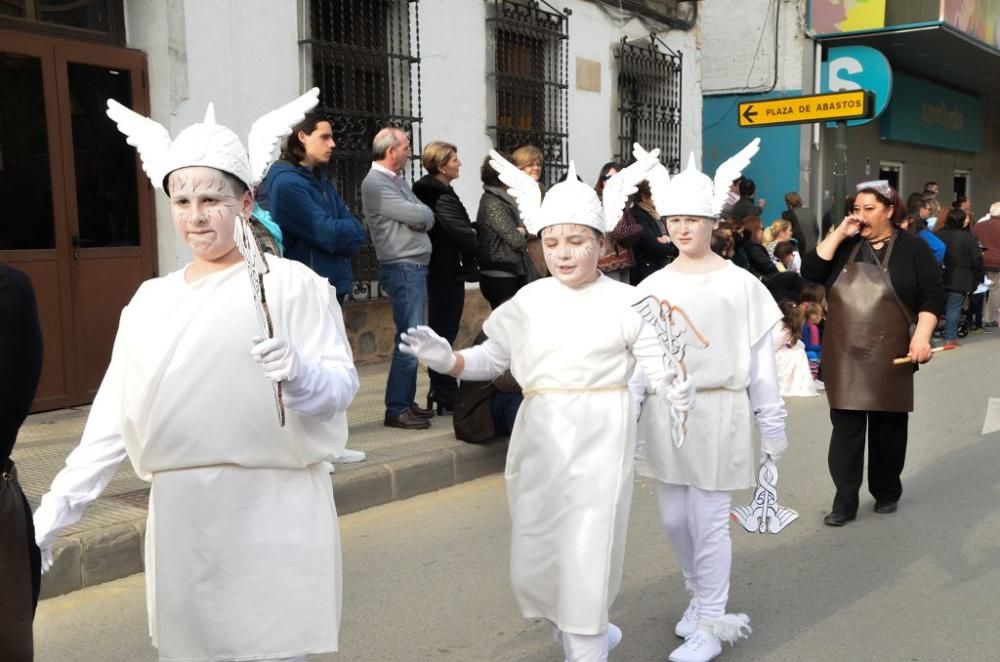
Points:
(866, 329)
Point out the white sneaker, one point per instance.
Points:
(820, 386)
(351, 456)
(614, 636)
(701, 646)
(689, 621)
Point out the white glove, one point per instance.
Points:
(429, 347)
(46, 558)
(680, 396)
(773, 447)
(280, 360)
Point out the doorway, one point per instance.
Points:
(892, 172)
(78, 214)
(961, 181)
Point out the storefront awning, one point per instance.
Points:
(936, 51)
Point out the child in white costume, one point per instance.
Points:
(571, 342)
(727, 316)
(242, 544)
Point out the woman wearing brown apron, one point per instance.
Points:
(20, 367)
(879, 282)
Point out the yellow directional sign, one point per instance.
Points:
(832, 107)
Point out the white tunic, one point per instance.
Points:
(570, 461)
(734, 313)
(242, 546)
(794, 376)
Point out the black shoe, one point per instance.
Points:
(420, 412)
(886, 507)
(837, 519)
(406, 421)
(441, 404)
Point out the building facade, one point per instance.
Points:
(581, 79)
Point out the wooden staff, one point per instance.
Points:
(902, 360)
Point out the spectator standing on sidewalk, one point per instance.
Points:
(21, 366)
(399, 223)
(963, 269)
(504, 264)
(453, 258)
(243, 547)
(317, 228)
(746, 206)
(988, 234)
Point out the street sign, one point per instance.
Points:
(832, 107)
(858, 68)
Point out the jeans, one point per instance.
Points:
(445, 302)
(406, 284)
(952, 311)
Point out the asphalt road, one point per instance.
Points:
(427, 578)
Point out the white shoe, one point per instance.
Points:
(689, 621)
(701, 646)
(820, 386)
(351, 456)
(614, 636)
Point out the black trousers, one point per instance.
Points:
(887, 433)
(498, 290)
(445, 302)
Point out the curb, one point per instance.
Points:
(116, 551)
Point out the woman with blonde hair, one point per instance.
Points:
(453, 257)
(529, 160)
(777, 232)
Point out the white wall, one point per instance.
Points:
(453, 42)
(734, 30)
(242, 55)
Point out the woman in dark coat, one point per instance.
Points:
(504, 265)
(453, 261)
(20, 367)
(879, 281)
(653, 250)
(963, 269)
(758, 261)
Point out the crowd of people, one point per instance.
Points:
(699, 320)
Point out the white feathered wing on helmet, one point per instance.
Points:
(572, 201)
(691, 192)
(210, 144)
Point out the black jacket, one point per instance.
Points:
(913, 272)
(650, 255)
(453, 239)
(800, 236)
(759, 262)
(501, 246)
(963, 261)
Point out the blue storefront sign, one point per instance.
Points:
(858, 68)
(929, 114)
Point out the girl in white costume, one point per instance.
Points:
(572, 342)
(726, 315)
(242, 546)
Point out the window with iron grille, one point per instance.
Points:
(529, 73)
(649, 92)
(364, 56)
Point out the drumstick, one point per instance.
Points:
(906, 359)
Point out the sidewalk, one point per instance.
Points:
(108, 542)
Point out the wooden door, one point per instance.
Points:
(78, 211)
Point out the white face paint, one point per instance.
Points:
(691, 234)
(571, 253)
(204, 207)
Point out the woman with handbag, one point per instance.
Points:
(504, 265)
(653, 250)
(453, 257)
(879, 281)
(617, 260)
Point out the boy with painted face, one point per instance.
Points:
(725, 316)
(572, 342)
(242, 547)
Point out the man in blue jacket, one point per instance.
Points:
(317, 227)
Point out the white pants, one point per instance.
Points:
(696, 522)
(584, 647)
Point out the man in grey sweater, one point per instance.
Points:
(398, 223)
